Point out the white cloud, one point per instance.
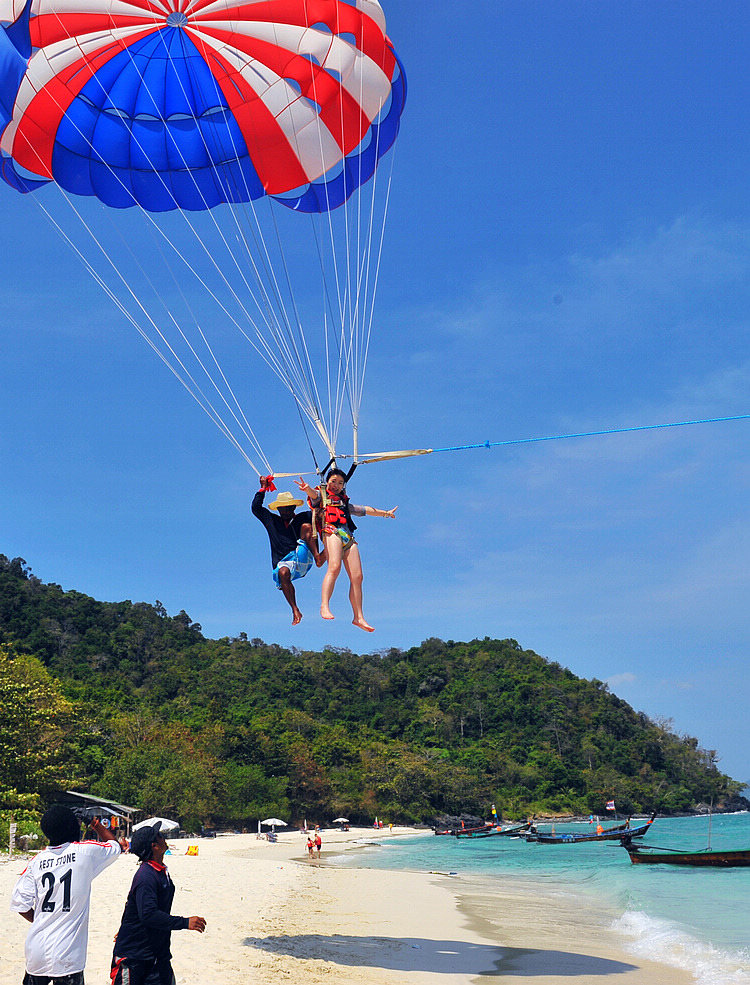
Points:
(617, 680)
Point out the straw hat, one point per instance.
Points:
(284, 499)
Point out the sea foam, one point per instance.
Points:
(667, 942)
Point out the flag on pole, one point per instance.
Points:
(610, 805)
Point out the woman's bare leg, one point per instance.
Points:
(353, 565)
(334, 550)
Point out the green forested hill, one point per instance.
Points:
(146, 710)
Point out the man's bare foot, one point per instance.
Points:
(363, 625)
(296, 617)
(325, 612)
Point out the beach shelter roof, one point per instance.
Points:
(86, 805)
(166, 824)
(341, 820)
(273, 821)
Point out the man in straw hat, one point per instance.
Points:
(142, 945)
(294, 546)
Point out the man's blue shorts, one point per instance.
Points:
(299, 561)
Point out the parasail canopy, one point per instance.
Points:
(193, 107)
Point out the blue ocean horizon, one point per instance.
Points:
(690, 918)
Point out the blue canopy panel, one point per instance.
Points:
(152, 128)
(15, 48)
(339, 184)
(14, 177)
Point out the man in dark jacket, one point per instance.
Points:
(142, 943)
(294, 545)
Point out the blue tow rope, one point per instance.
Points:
(592, 434)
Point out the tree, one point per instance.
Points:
(36, 727)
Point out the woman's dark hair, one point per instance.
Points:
(332, 472)
(60, 824)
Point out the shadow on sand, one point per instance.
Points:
(447, 957)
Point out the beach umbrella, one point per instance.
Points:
(273, 821)
(166, 824)
(341, 820)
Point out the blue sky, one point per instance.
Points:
(568, 249)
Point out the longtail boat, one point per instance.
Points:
(498, 832)
(460, 832)
(472, 832)
(615, 833)
(652, 855)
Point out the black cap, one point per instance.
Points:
(144, 838)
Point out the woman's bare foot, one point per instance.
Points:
(363, 625)
(326, 613)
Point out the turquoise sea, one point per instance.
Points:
(695, 919)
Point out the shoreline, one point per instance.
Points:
(271, 913)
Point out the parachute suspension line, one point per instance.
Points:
(363, 298)
(204, 401)
(334, 406)
(367, 333)
(376, 276)
(341, 388)
(270, 316)
(294, 344)
(244, 424)
(329, 433)
(354, 320)
(317, 422)
(360, 329)
(352, 307)
(338, 327)
(344, 349)
(361, 254)
(363, 302)
(293, 363)
(261, 347)
(292, 377)
(264, 351)
(307, 438)
(278, 324)
(274, 323)
(187, 380)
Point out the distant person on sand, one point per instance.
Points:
(335, 512)
(54, 894)
(310, 846)
(294, 546)
(318, 843)
(142, 944)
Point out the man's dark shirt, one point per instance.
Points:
(147, 924)
(283, 538)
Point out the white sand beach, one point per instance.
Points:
(272, 915)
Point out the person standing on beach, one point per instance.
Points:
(142, 945)
(54, 895)
(318, 843)
(294, 545)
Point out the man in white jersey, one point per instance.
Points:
(53, 894)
